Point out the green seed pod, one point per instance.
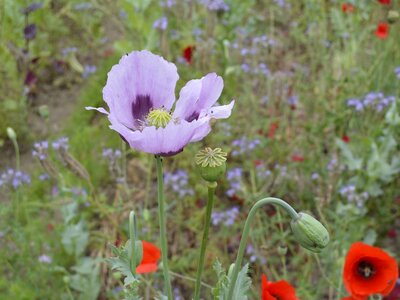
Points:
(393, 16)
(310, 233)
(211, 163)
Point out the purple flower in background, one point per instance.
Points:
(315, 176)
(216, 5)
(140, 94)
(31, 8)
(44, 176)
(356, 103)
(376, 100)
(397, 72)
(68, 50)
(227, 217)
(45, 259)
(14, 178)
(349, 192)
(293, 100)
(234, 176)
(88, 70)
(30, 31)
(40, 150)
(161, 23)
(178, 181)
(244, 145)
(83, 6)
(61, 143)
(168, 3)
(282, 3)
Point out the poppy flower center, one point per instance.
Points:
(158, 117)
(365, 269)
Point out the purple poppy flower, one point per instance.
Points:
(140, 94)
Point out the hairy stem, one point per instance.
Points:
(163, 233)
(245, 234)
(200, 266)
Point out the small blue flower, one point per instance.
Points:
(161, 23)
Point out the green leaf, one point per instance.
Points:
(351, 162)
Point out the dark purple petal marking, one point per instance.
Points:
(171, 153)
(193, 116)
(141, 107)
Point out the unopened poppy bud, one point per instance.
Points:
(282, 250)
(211, 163)
(11, 134)
(393, 16)
(310, 233)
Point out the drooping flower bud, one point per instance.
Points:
(393, 16)
(310, 233)
(211, 163)
(11, 133)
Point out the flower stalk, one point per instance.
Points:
(210, 203)
(163, 225)
(132, 238)
(320, 236)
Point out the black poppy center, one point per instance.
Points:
(366, 269)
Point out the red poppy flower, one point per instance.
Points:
(297, 158)
(280, 290)
(272, 129)
(347, 8)
(382, 30)
(187, 54)
(354, 298)
(257, 162)
(151, 254)
(384, 2)
(369, 270)
(345, 138)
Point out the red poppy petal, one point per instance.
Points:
(151, 254)
(146, 268)
(283, 290)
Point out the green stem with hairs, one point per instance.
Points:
(245, 234)
(163, 225)
(211, 190)
(132, 238)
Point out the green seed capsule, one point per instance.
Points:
(211, 164)
(310, 233)
(393, 16)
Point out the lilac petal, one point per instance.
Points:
(198, 95)
(139, 82)
(215, 112)
(161, 141)
(218, 112)
(99, 109)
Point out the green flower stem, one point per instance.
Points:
(245, 234)
(132, 238)
(163, 233)
(211, 190)
(17, 158)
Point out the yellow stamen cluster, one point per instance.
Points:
(159, 118)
